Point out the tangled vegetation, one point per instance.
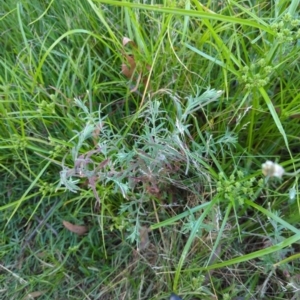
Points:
(149, 147)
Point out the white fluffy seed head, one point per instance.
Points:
(272, 169)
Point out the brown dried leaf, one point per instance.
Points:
(144, 238)
(103, 164)
(129, 67)
(96, 133)
(127, 40)
(34, 295)
(132, 70)
(78, 229)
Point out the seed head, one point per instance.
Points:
(272, 169)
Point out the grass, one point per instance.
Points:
(158, 165)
